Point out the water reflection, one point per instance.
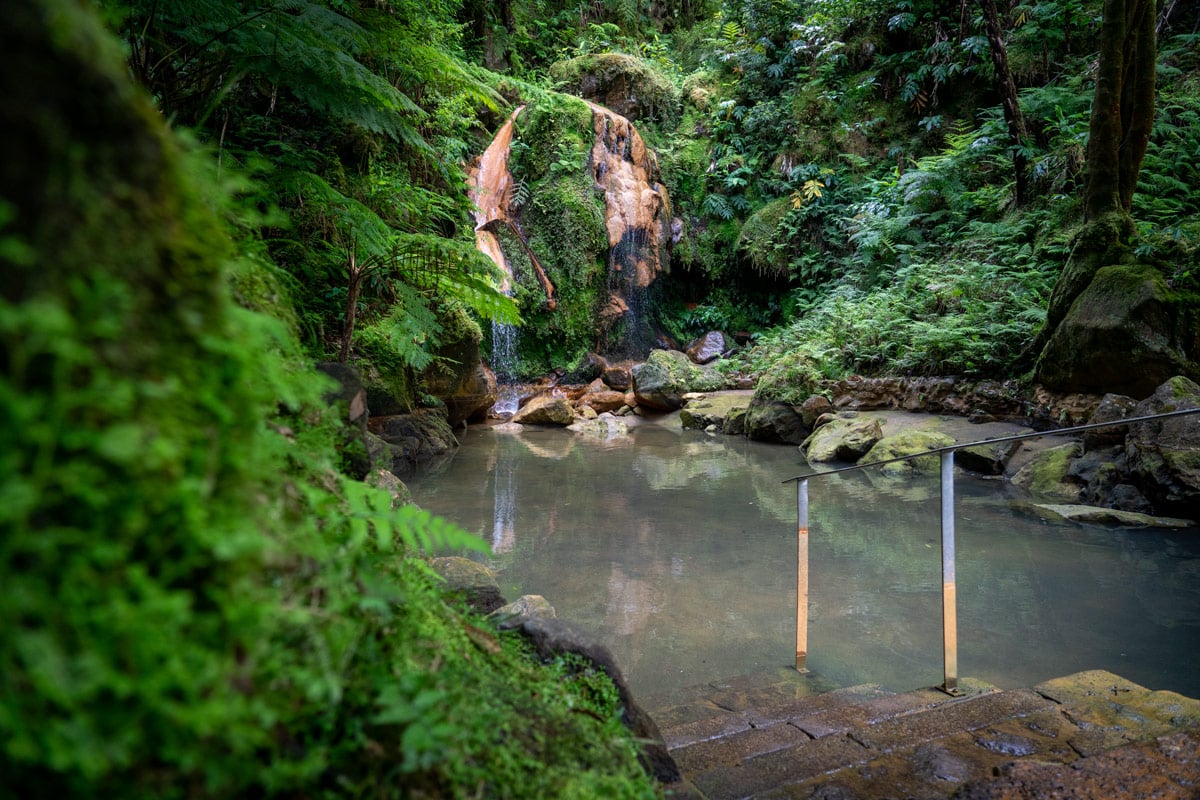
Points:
(678, 549)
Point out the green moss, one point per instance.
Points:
(757, 238)
(791, 379)
(630, 85)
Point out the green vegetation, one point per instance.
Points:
(195, 601)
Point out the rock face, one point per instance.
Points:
(842, 440)
(553, 637)
(410, 440)
(774, 421)
(1163, 456)
(1123, 333)
(545, 409)
(708, 347)
(907, 443)
(1112, 407)
(666, 376)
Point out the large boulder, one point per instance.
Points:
(907, 443)
(708, 347)
(987, 459)
(774, 421)
(600, 398)
(704, 410)
(661, 381)
(842, 440)
(1049, 473)
(1124, 333)
(1163, 456)
(545, 409)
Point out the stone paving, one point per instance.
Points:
(786, 735)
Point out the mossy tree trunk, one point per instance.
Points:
(1123, 106)
(1121, 121)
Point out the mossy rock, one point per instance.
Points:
(667, 375)
(1124, 333)
(792, 379)
(906, 443)
(1048, 473)
(842, 440)
(630, 86)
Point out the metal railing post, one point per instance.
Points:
(949, 587)
(802, 575)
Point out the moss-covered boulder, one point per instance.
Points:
(1163, 456)
(842, 440)
(712, 409)
(630, 86)
(661, 381)
(1126, 332)
(1048, 474)
(907, 443)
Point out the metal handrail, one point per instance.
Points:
(949, 582)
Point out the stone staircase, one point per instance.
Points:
(787, 735)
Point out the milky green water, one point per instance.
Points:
(677, 549)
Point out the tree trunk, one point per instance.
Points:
(1123, 106)
(1008, 95)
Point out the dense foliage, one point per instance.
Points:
(195, 602)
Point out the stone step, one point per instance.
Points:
(864, 742)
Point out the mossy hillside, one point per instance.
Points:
(195, 603)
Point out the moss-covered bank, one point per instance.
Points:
(195, 603)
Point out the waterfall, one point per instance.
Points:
(491, 190)
(638, 222)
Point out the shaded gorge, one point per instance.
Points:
(677, 548)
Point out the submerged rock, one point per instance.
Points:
(1106, 516)
(908, 443)
(774, 421)
(987, 459)
(527, 606)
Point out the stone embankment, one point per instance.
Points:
(785, 735)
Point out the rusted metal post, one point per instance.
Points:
(802, 575)
(949, 589)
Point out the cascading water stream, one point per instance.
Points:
(490, 190)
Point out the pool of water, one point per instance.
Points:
(677, 548)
